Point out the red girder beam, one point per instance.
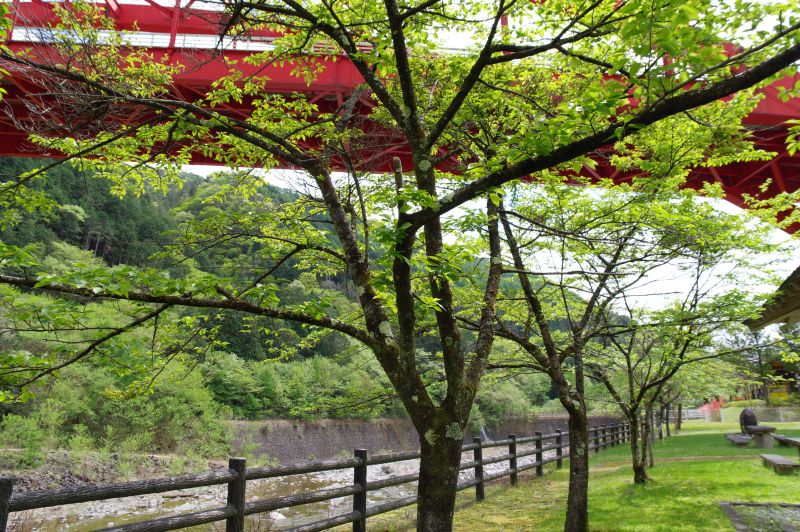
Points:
(339, 78)
(112, 6)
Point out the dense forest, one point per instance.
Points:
(231, 366)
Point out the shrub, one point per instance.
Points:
(81, 441)
(502, 400)
(25, 433)
(232, 382)
(178, 414)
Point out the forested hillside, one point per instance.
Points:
(160, 390)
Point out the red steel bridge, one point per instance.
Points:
(189, 36)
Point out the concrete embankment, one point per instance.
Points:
(293, 441)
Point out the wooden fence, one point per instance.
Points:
(237, 475)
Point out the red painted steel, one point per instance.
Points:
(340, 78)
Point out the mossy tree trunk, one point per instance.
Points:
(577, 519)
(438, 478)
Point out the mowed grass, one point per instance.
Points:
(701, 440)
(694, 471)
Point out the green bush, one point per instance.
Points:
(178, 414)
(24, 433)
(502, 400)
(80, 441)
(232, 382)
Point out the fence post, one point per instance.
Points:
(559, 450)
(512, 462)
(477, 456)
(6, 489)
(236, 494)
(605, 436)
(360, 498)
(539, 470)
(596, 439)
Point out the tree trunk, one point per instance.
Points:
(438, 479)
(679, 419)
(650, 419)
(666, 419)
(762, 373)
(637, 457)
(578, 497)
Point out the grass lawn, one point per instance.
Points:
(694, 471)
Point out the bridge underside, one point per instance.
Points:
(189, 38)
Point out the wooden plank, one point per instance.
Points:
(391, 505)
(403, 479)
(396, 457)
(325, 524)
(99, 492)
(176, 522)
(495, 459)
(286, 501)
(299, 469)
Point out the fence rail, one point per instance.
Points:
(236, 476)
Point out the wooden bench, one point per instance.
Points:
(781, 464)
(739, 440)
(787, 441)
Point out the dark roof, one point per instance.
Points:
(784, 305)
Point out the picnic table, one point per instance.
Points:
(762, 435)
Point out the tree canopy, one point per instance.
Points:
(565, 84)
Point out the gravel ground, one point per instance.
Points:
(766, 517)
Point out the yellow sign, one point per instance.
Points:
(778, 392)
